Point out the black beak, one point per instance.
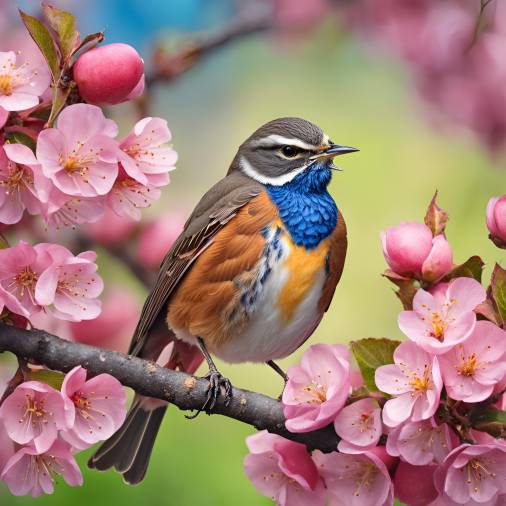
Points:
(336, 150)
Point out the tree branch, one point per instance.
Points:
(185, 391)
(170, 65)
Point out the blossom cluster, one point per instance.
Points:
(63, 161)
(41, 429)
(408, 423)
(454, 51)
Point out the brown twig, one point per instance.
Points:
(170, 65)
(185, 391)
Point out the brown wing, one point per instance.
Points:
(337, 255)
(215, 209)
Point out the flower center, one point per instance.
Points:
(365, 476)
(6, 85)
(421, 383)
(25, 280)
(438, 326)
(34, 411)
(317, 391)
(18, 177)
(469, 365)
(364, 421)
(82, 403)
(477, 472)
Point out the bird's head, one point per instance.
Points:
(285, 148)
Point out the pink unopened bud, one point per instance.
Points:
(496, 220)
(157, 238)
(109, 74)
(414, 485)
(410, 250)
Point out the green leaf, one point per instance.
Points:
(40, 34)
(436, 218)
(471, 268)
(4, 243)
(60, 96)
(64, 25)
(21, 138)
(371, 353)
(498, 288)
(52, 378)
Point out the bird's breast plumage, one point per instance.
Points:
(260, 290)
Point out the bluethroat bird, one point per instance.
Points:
(249, 278)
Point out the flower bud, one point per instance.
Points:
(109, 74)
(414, 485)
(410, 250)
(111, 229)
(496, 220)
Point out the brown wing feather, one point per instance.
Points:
(337, 255)
(206, 301)
(215, 209)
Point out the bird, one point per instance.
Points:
(248, 280)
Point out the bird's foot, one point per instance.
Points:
(216, 382)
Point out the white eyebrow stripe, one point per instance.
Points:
(250, 171)
(278, 140)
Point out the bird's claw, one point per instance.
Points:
(216, 381)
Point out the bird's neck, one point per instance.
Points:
(305, 206)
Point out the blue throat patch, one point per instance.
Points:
(305, 206)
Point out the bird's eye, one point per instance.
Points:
(290, 151)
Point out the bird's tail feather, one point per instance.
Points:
(129, 450)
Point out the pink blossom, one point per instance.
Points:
(157, 237)
(69, 284)
(80, 155)
(472, 474)
(414, 485)
(19, 172)
(354, 479)
(410, 250)
(316, 389)
(114, 327)
(138, 90)
(4, 116)
(21, 87)
(145, 156)
(440, 321)
(109, 74)
(95, 409)
(496, 220)
(34, 413)
(360, 423)
(19, 273)
(415, 381)
(420, 443)
(64, 211)
(31, 472)
(128, 196)
(283, 470)
(6, 446)
(471, 369)
(111, 229)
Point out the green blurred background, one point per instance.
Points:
(359, 98)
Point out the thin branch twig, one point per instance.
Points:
(168, 66)
(185, 391)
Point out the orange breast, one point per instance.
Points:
(206, 301)
(303, 268)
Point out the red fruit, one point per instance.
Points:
(108, 74)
